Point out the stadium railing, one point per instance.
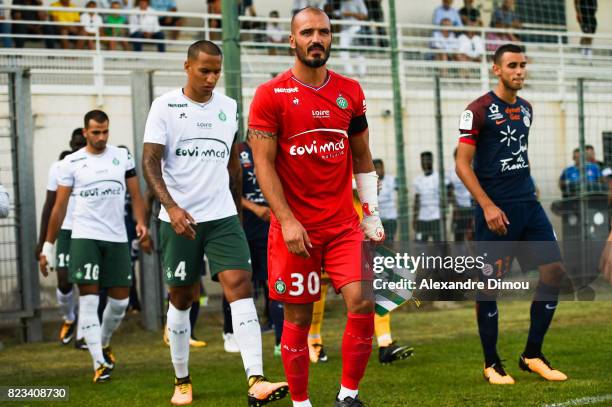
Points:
(554, 64)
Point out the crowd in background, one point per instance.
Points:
(134, 30)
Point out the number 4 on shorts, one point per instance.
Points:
(180, 271)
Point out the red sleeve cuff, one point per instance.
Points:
(467, 140)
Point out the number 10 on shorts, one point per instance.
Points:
(313, 284)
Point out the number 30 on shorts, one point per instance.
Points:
(297, 284)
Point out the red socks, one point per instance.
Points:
(356, 348)
(294, 352)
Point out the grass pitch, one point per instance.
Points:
(446, 369)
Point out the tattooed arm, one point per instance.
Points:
(264, 146)
(181, 220)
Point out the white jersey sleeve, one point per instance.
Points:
(52, 178)
(65, 175)
(156, 129)
(130, 163)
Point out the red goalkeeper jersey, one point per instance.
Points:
(313, 126)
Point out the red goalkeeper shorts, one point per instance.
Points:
(336, 249)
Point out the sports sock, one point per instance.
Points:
(318, 309)
(90, 325)
(179, 332)
(542, 312)
(344, 393)
(66, 304)
(487, 316)
(227, 317)
(356, 348)
(294, 352)
(113, 314)
(382, 330)
(305, 403)
(248, 335)
(277, 317)
(194, 312)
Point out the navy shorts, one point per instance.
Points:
(259, 258)
(530, 239)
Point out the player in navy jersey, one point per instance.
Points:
(493, 164)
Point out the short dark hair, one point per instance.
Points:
(377, 161)
(501, 50)
(426, 154)
(77, 139)
(91, 3)
(205, 46)
(96, 115)
(589, 147)
(576, 150)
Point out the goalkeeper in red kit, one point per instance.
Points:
(309, 135)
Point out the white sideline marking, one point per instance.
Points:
(581, 401)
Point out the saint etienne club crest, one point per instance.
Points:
(341, 102)
(280, 287)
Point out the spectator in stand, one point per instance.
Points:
(5, 204)
(5, 28)
(92, 22)
(300, 4)
(387, 190)
(67, 17)
(447, 11)
(471, 45)
(445, 41)
(505, 17)
(585, 14)
(246, 8)
(214, 7)
(145, 25)
(168, 21)
(469, 13)
(463, 210)
(427, 219)
(352, 10)
(30, 28)
(497, 38)
(569, 181)
(375, 13)
(274, 33)
(119, 20)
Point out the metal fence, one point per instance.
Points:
(19, 289)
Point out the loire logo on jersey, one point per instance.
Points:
(321, 114)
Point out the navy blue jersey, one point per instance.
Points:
(500, 132)
(254, 227)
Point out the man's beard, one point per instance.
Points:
(510, 85)
(313, 63)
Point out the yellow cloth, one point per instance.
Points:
(382, 329)
(357, 205)
(65, 16)
(318, 310)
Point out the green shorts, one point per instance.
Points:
(222, 240)
(62, 249)
(99, 262)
